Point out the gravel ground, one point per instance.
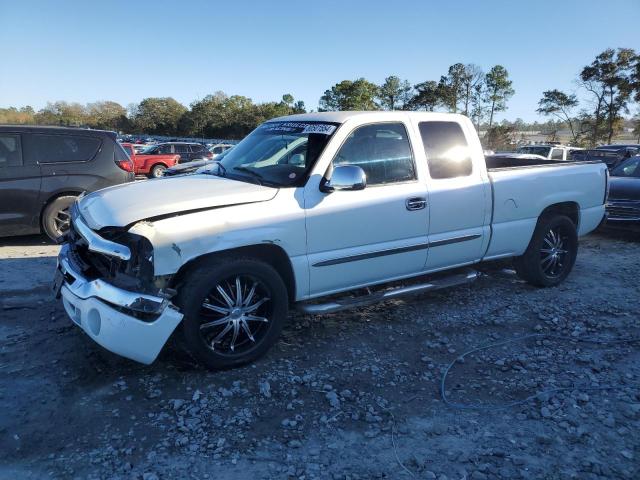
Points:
(348, 396)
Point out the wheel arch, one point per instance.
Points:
(269, 253)
(52, 198)
(568, 209)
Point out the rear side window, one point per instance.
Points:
(42, 148)
(121, 154)
(382, 150)
(10, 151)
(197, 148)
(128, 149)
(556, 154)
(447, 151)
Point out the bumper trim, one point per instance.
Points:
(84, 289)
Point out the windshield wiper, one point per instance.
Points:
(253, 173)
(222, 170)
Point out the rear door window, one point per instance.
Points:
(45, 148)
(181, 148)
(10, 151)
(445, 145)
(556, 154)
(196, 148)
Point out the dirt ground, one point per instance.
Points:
(345, 396)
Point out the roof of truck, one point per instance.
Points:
(341, 117)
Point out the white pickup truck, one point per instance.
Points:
(320, 211)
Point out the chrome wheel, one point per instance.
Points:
(553, 252)
(158, 171)
(235, 315)
(61, 221)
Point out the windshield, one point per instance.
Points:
(630, 168)
(278, 153)
(544, 151)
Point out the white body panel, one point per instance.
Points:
(119, 332)
(521, 194)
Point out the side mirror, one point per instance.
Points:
(345, 177)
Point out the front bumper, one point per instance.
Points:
(108, 314)
(623, 212)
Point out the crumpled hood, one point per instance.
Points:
(128, 203)
(624, 188)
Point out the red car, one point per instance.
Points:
(153, 166)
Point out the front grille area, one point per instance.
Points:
(135, 274)
(624, 212)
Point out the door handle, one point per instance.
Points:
(416, 203)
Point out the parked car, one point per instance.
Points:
(219, 149)
(623, 206)
(629, 149)
(44, 169)
(187, 151)
(550, 151)
(363, 207)
(151, 165)
(612, 158)
(515, 156)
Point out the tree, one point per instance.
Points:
(107, 115)
(472, 79)
(287, 99)
(428, 96)
(500, 137)
(498, 90)
(560, 105)
(14, 116)
(452, 86)
(610, 78)
(636, 128)
(350, 95)
(62, 113)
(478, 104)
(159, 115)
(394, 93)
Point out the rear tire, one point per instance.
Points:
(223, 329)
(56, 218)
(551, 253)
(157, 171)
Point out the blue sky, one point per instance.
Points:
(126, 50)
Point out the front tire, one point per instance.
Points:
(234, 311)
(56, 218)
(551, 253)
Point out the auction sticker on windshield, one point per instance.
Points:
(298, 127)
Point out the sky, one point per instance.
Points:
(85, 51)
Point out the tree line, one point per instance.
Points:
(610, 84)
(214, 116)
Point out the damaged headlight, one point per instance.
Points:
(135, 273)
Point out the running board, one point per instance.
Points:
(381, 296)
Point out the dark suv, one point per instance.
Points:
(187, 151)
(44, 169)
